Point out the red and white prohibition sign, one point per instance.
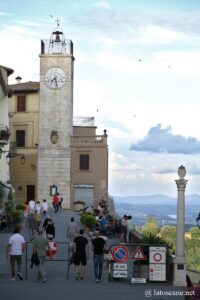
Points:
(157, 257)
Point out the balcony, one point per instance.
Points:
(4, 135)
(96, 140)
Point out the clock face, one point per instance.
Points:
(55, 78)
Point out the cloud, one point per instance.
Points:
(102, 4)
(159, 140)
(6, 14)
(28, 23)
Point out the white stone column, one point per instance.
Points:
(179, 261)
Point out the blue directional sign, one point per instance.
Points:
(120, 254)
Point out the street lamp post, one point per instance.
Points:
(179, 261)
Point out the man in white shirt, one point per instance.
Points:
(31, 205)
(15, 248)
(44, 208)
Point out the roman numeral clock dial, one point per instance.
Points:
(55, 78)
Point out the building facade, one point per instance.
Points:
(59, 157)
(24, 122)
(4, 136)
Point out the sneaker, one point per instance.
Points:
(43, 280)
(20, 276)
(81, 277)
(12, 279)
(77, 276)
(97, 280)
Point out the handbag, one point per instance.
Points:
(72, 257)
(34, 260)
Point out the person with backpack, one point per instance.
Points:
(50, 229)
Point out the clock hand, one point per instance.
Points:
(56, 82)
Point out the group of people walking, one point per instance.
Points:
(80, 250)
(41, 242)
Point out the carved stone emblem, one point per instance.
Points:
(54, 136)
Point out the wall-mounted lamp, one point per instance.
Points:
(9, 156)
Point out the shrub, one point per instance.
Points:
(88, 220)
(21, 206)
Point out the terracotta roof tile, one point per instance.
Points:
(30, 86)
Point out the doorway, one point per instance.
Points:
(30, 193)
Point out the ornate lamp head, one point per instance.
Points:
(181, 172)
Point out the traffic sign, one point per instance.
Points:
(120, 274)
(120, 267)
(120, 254)
(157, 272)
(54, 249)
(139, 254)
(157, 255)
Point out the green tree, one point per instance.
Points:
(192, 253)
(10, 208)
(150, 228)
(195, 232)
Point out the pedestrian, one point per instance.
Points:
(50, 229)
(31, 224)
(38, 207)
(15, 248)
(130, 227)
(56, 202)
(81, 254)
(37, 220)
(31, 205)
(39, 246)
(72, 230)
(44, 208)
(3, 223)
(123, 229)
(98, 250)
(60, 203)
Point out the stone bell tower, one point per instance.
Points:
(56, 117)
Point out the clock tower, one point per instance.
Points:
(56, 117)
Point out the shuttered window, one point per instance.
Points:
(21, 103)
(20, 138)
(84, 162)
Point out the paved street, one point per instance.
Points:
(59, 287)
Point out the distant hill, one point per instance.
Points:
(193, 199)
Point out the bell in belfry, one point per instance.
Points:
(57, 39)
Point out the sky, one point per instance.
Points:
(137, 71)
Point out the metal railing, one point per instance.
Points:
(29, 252)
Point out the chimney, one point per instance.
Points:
(18, 79)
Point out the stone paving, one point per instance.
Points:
(58, 287)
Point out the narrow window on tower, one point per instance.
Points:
(20, 138)
(21, 103)
(84, 162)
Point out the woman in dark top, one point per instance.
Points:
(49, 228)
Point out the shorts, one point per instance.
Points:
(80, 259)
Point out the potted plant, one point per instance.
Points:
(88, 220)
